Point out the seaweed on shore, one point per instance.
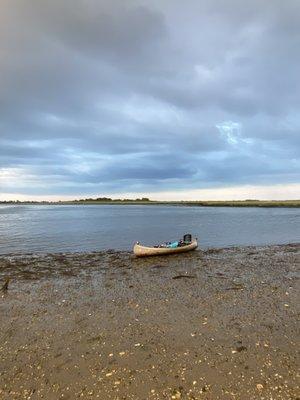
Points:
(5, 285)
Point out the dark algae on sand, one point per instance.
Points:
(109, 326)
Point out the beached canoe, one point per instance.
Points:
(143, 251)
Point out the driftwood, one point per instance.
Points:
(183, 276)
(5, 286)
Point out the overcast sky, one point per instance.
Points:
(170, 99)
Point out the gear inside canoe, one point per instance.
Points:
(181, 246)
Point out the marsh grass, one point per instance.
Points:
(199, 203)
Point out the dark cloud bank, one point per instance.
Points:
(117, 96)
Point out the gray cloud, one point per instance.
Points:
(109, 96)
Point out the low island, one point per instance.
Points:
(146, 201)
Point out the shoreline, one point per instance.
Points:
(129, 252)
(212, 324)
(229, 203)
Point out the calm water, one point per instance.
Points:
(92, 227)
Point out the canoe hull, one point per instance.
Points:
(143, 251)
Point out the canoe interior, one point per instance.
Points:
(143, 251)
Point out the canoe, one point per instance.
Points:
(143, 251)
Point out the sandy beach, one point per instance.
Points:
(214, 324)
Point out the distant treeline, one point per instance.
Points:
(88, 200)
(108, 199)
(146, 201)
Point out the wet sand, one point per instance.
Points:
(218, 324)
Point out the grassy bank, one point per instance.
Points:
(233, 203)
